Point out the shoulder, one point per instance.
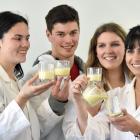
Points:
(48, 53)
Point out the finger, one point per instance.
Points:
(76, 91)
(80, 84)
(66, 80)
(56, 87)
(33, 79)
(58, 82)
(66, 83)
(124, 111)
(117, 119)
(44, 86)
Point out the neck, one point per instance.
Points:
(115, 78)
(9, 69)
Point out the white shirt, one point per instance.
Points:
(15, 123)
(98, 127)
(50, 122)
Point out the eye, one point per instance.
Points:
(101, 45)
(60, 34)
(115, 45)
(73, 33)
(18, 38)
(27, 38)
(129, 51)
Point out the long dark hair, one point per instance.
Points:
(7, 21)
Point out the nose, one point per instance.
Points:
(108, 49)
(25, 43)
(137, 53)
(68, 38)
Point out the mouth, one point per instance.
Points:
(110, 58)
(24, 52)
(136, 65)
(68, 48)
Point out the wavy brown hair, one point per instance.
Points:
(92, 60)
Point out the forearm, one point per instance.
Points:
(82, 114)
(21, 101)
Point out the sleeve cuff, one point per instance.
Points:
(17, 120)
(57, 106)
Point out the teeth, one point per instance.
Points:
(23, 52)
(136, 65)
(67, 47)
(110, 58)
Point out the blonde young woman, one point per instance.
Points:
(107, 50)
(101, 126)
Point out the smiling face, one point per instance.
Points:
(64, 39)
(133, 59)
(110, 50)
(15, 44)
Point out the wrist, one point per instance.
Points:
(136, 131)
(21, 100)
(58, 107)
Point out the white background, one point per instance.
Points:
(92, 14)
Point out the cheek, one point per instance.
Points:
(120, 52)
(127, 60)
(99, 54)
(75, 39)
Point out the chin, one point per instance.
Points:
(69, 54)
(22, 60)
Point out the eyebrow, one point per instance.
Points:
(116, 41)
(19, 35)
(70, 31)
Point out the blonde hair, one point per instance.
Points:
(92, 60)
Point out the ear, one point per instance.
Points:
(48, 34)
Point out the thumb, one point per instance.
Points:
(124, 111)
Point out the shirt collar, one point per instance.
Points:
(4, 75)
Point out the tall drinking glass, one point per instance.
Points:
(46, 71)
(113, 106)
(62, 68)
(94, 93)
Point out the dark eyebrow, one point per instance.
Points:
(18, 35)
(60, 32)
(75, 30)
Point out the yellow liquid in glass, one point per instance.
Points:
(46, 75)
(94, 99)
(62, 71)
(94, 77)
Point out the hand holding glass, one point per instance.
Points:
(94, 93)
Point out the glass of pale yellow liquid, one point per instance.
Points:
(46, 71)
(94, 93)
(62, 68)
(94, 74)
(113, 106)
